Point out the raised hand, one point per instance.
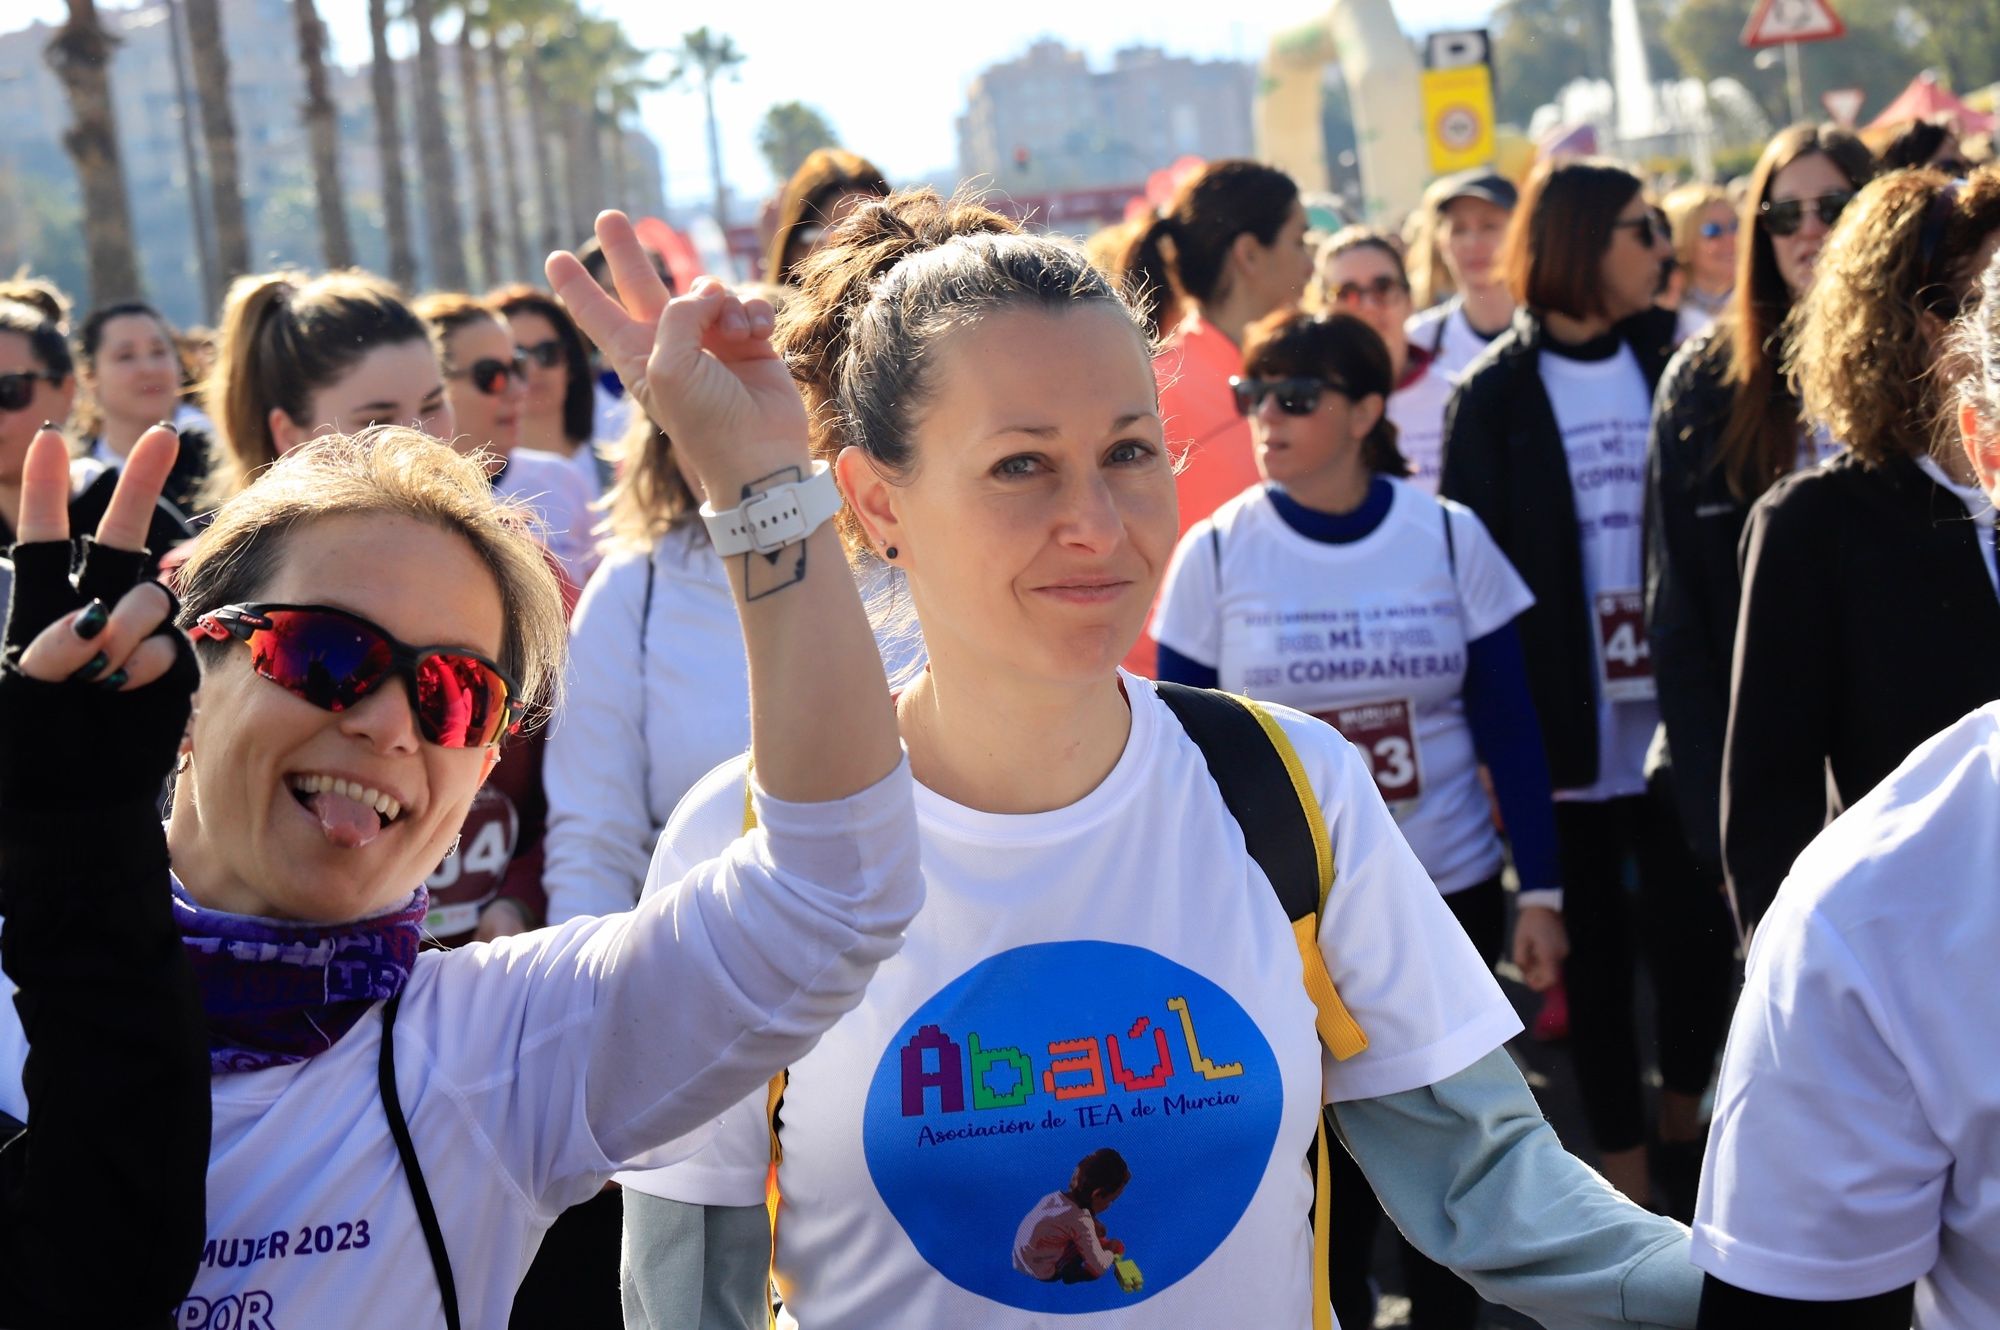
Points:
(702, 365)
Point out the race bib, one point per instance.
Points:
(1385, 733)
(1623, 654)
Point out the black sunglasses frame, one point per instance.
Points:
(26, 378)
(548, 353)
(1381, 290)
(490, 375)
(1786, 216)
(240, 622)
(1297, 394)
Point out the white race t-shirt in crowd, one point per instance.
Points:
(1417, 411)
(1605, 414)
(1856, 1143)
(1115, 974)
(554, 491)
(1445, 332)
(657, 695)
(529, 1069)
(1370, 636)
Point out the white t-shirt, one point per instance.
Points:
(1444, 331)
(554, 491)
(1370, 636)
(531, 1068)
(1857, 1122)
(1114, 974)
(1417, 411)
(1605, 415)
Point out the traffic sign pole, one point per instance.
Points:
(1794, 83)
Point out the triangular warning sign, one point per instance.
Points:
(1843, 105)
(1779, 21)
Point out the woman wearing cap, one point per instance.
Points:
(395, 1129)
(1726, 427)
(1472, 214)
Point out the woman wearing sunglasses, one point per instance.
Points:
(1341, 589)
(1100, 963)
(393, 1130)
(301, 356)
(1880, 558)
(38, 386)
(559, 413)
(1546, 441)
(1704, 234)
(1361, 272)
(486, 378)
(1726, 427)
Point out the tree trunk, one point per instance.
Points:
(715, 153)
(389, 149)
(490, 260)
(442, 227)
(323, 136)
(621, 191)
(204, 243)
(80, 55)
(513, 217)
(577, 193)
(218, 132)
(538, 135)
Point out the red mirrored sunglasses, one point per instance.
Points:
(334, 659)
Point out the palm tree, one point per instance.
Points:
(513, 216)
(323, 134)
(80, 53)
(473, 17)
(389, 148)
(442, 227)
(184, 114)
(708, 56)
(218, 132)
(790, 132)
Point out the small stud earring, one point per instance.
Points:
(182, 763)
(889, 553)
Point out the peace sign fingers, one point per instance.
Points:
(44, 490)
(129, 518)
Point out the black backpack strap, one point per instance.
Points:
(392, 1105)
(1257, 788)
(1450, 543)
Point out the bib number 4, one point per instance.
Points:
(1624, 656)
(1385, 732)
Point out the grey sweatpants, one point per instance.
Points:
(695, 1267)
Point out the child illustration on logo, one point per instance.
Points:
(1062, 1240)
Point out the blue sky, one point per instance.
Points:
(890, 74)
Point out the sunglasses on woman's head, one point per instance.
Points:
(548, 354)
(490, 375)
(18, 389)
(1297, 396)
(334, 659)
(1786, 216)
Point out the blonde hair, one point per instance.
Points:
(651, 497)
(390, 471)
(284, 337)
(1684, 207)
(1860, 353)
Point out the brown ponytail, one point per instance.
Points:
(284, 337)
(1183, 258)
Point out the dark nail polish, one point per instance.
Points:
(92, 669)
(48, 424)
(91, 622)
(113, 681)
(169, 427)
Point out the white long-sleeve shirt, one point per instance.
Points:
(531, 1068)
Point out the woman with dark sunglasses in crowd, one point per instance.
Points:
(1726, 427)
(1342, 589)
(37, 387)
(486, 378)
(369, 625)
(559, 414)
(1881, 558)
(1546, 441)
(1361, 272)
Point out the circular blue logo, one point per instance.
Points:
(1073, 1126)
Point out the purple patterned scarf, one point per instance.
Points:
(279, 992)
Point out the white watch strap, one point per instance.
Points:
(782, 515)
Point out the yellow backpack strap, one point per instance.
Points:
(774, 1096)
(1254, 764)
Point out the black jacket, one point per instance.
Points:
(1869, 624)
(1693, 582)
(1504, 459)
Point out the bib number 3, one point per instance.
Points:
(1624, 656)
(1386, 735)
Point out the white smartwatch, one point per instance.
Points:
(782, 515)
